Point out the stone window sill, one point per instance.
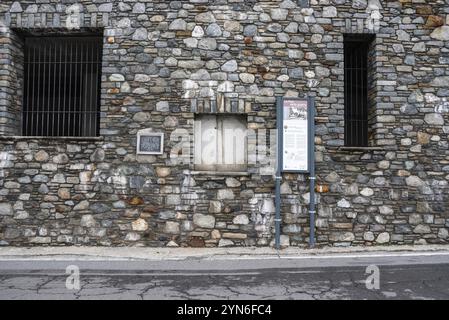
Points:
(360, 149)
(219, 173)
(25, 138)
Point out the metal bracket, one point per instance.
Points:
(277, 220)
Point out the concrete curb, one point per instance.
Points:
(160, 254)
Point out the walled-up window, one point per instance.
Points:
(357, 85)
(220, 143)
(62, 86)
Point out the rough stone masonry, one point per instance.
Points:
(165, 61)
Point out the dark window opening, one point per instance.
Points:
(62, 86)
(357, 62)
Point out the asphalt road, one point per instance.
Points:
(420, 276)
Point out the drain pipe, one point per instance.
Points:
(312, 176)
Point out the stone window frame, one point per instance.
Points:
(219, 169)
(372, 94)
(11, 87)
(11, 102)
(223, 103)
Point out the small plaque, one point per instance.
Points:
(150, 142)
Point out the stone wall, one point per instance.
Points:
(165, 61)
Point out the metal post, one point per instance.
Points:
(312, 169)
(278, 176)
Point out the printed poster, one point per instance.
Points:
(295, 135)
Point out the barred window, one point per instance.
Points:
(62, 85)
(357, 87)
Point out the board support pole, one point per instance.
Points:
(278, 176)
(312, 178)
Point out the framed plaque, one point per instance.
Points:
(294, 121)
(149, 142)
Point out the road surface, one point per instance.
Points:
(400, 276)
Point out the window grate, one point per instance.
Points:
(62, 85)
(356, 50)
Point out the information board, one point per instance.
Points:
(295, 117)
